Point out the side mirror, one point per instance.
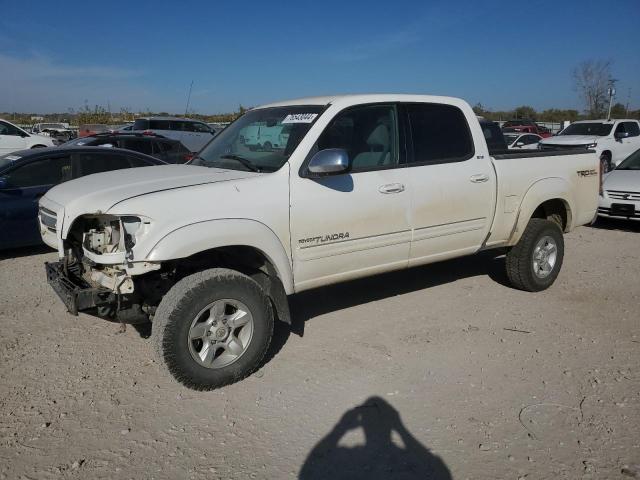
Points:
(621, 135)
(328, 162)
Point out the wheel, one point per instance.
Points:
(534, 262)
(213, 328)
(267, 146)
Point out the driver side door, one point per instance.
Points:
(354, 223)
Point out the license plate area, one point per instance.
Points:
(623, 209)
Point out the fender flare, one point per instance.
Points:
(199, 237)
(543, 190)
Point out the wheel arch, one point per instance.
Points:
(548, 198)
(239, 236)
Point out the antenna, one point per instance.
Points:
(186, 109)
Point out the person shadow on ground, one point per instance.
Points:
(380, 457)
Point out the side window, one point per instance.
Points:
(90, 163)
(630, 127)
(137, 162)
(8, 129)
(368, 134)
(440, 134)
(138, 145)
(529, 139)
(48, 171)
(201, 128)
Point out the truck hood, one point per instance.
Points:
(623, 181)
(571, 139)
(99, 192)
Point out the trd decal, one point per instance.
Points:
(328, 238)
(587, 173)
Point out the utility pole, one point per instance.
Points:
(611, 91)
(188, 99)
(626, 110)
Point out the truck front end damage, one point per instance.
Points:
(99, 270)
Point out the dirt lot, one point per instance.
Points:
(440, 372)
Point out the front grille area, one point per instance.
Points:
(48, 218)
(621, 195)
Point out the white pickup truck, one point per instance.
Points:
(209, 251)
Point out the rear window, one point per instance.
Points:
(440, 134)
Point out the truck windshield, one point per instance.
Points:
(591, 128)
(261, 140)
(632, 162)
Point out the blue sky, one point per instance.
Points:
(143, 55)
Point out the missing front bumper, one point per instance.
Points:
(74, 291)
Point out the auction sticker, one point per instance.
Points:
(300, 118)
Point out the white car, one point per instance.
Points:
(522, 141)
(14, 138)
(620, 197)
(193, 134)
(366, 184)
(613, 140)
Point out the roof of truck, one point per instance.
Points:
(363, 98)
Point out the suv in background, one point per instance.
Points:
(613, 140)
(165, 149)
(192, 133)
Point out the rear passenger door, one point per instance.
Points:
(452, 186)
(19, 199)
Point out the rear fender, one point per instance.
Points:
(541, 191)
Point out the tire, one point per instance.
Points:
(526, 266)
(184, 313)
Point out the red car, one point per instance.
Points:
(526, 126)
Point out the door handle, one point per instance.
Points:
(479, 178)
(391, 188)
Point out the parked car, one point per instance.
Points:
(526, 141)
(27, 175)
(265, 137)
(613, 140)
(620, 195)
(165, 149)
(366, 184)
(527, 126)
(13, 138)
(60, 132)
(193, 134)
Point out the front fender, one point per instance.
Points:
(545, 189)
(198, 237)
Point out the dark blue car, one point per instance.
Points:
(25, 176)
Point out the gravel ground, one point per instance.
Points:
(437, 372)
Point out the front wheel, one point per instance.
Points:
(213, 328)
(534, 263)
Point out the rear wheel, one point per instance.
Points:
(534, 263)
(213, 328)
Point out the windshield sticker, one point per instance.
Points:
(300, 118)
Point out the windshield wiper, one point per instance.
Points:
(243, 161)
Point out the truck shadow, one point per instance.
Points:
(313, 303)
(383, 455)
